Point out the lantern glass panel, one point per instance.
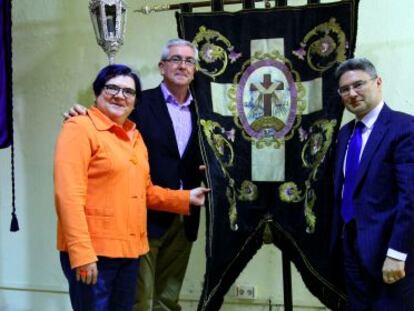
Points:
(96, 17)
(110, 11)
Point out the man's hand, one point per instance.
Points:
(393, 270)
(197, 196)
(88, 273)
(76, 110)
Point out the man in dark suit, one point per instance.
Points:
(167, 122)
(374, 194)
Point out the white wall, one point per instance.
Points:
(55, 60)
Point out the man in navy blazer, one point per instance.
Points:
(376, 226)
(166, 119)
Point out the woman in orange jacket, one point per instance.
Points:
(102, 189)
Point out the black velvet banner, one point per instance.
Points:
(269, 114)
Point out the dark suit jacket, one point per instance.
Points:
(167, 168)
(383, 199)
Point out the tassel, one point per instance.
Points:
(14, 225)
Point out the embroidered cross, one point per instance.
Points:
(267, 91)
(267, 163)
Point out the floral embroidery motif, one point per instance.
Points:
(248, 191)
(317, 142)
(323, 46)
(288, 192)
(221, 147)
(300, 53)
(303, 135)
(230, 134)
(233, 55)
(215, 50)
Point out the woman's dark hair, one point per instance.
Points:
(112, 71)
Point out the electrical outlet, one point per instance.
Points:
(245, 291)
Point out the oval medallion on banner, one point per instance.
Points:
(266, 99)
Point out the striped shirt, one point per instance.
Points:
(180, 115)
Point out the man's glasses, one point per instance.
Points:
(113, 90)
(177, 60)
(356, 86)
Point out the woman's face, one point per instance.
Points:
(117, 98)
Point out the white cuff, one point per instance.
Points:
(396, 254)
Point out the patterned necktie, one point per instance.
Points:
(351, 170)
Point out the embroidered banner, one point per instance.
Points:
(5, 75)
(269, 113)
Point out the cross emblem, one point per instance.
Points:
(267, 163)
(267, 91)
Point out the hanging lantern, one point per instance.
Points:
(109, 22)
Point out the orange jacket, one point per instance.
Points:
(102, 188)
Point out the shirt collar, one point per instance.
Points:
(372, 116)
(170, 98)
(103, 123)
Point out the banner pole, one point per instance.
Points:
(287, 283)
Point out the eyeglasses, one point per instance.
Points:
(177, 60)
(113, 90)
(356, 86)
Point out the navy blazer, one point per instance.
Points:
(167, 168)
(383, 199)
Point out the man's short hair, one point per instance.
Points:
(357, 63)
(177, 42)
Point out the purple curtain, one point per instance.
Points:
(5, 75)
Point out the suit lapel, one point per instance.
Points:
(342, 144)
(160, 110)
(374, 140)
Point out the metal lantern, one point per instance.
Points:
(109, 22)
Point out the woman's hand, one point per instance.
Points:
(88, 273)
(197, 196)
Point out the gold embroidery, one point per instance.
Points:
(220, 142)
(323, 46)
(248, 191)
(224, 153)
(215, 50)
(313, 154)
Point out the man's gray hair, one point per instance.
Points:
(177, 42)
(357, 63)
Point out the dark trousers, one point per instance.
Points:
(369, 293)
(162, 270)
(114, 290)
